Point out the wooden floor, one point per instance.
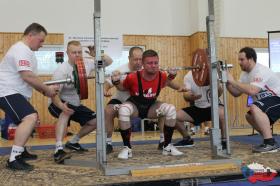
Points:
(136, 136)
(46, 172)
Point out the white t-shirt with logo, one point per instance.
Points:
(264, 78)
(204, 91)
(68, 92)
(18, 58)
(121, 95)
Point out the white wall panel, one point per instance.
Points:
(148, 17)
(238, 18)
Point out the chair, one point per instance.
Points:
(143, 123)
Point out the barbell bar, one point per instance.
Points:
(200, 73)
(180, 68)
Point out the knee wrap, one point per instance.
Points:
(116, 107)
(125, 111)
(166, 110)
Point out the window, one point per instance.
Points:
(262, 56)
(46, 57)
(274, 50)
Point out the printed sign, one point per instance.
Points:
(112, 45)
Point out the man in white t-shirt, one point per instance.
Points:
(263, 84)
(17, 78)
(66, 106)
(111, 110)
(199, 112)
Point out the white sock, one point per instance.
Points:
(193, 129)
(58, 146)
(16, 150)
(109, 141)
(75, 139)
(161, 137)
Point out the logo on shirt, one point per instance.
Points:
(257, 79)
(263, 94)
(24, 63)
(149, 93)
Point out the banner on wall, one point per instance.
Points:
(112, 45)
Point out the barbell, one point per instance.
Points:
(199, 68)
(79, 79)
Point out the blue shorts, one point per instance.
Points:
(81, 114)
(270, 106)
(16, 106)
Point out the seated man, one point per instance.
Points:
(67, 105)
(197, 113)
(263, 84)
(144, 87)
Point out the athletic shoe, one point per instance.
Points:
(60, 156)
(109, 148)
(125, 153)
(207, 131)
(185, 143)
(19, 164)
(27, 156)
(266, 148)
(160, 145)
(171, 150)
(75, 146)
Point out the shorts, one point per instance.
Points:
(114, 102)
(199, 115)
(81, 114)
(270, 106)
(142, 107)
(16, 106)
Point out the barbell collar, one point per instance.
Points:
(225, 66)
(68, 80)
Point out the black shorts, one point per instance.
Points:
(114, 102)
(270, 106)
(143, 105)
(199, 115)
(16, 106)
(81, 114)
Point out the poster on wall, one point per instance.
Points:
(274, 50)
(111, 45)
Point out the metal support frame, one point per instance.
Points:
(215, 132)
(99, 74)
(101, 162)
(100, 79)
(224, 81)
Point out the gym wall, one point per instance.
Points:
(173, 51)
